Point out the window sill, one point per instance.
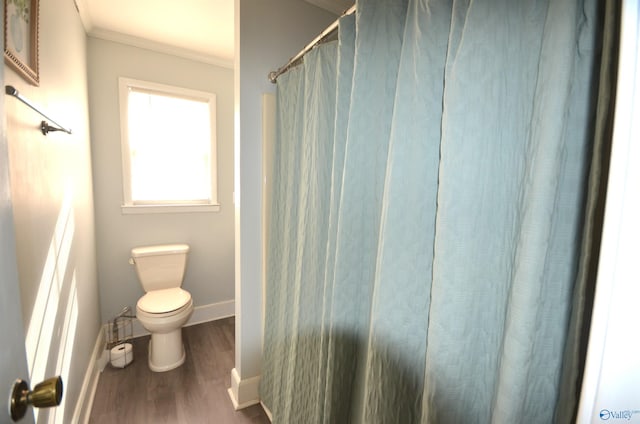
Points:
(145, 209)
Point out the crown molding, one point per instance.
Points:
(85, 16)
(160, 47)
(82, 6)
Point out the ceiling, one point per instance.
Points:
(197, 29)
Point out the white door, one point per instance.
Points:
(13, 356)
(611, 384)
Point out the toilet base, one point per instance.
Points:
(166, 351)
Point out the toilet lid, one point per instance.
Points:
(163, 301)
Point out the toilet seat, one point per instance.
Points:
(165, 302)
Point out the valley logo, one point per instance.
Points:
(626, 414)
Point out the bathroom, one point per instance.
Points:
(66, 191)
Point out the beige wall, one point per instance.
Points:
(53, 205)
(210, 273)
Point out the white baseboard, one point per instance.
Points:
(212, 312)
(100, 356)
(97, 363)
(267, 411)
(243, 393)
(204, 313)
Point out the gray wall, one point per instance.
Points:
(267, 35)
(210, 272)
(44, 171)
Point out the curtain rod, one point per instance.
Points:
(273, 75)
(44, 125)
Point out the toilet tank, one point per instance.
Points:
(160, 267)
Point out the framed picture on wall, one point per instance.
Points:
(21, 38)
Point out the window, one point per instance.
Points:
(168, 148)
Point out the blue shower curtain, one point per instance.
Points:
(426, 213)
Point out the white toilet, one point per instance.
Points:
(166, 307)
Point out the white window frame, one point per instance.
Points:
(131, 207)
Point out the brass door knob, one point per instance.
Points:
(44, 395)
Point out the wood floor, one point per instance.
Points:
(196, 392)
